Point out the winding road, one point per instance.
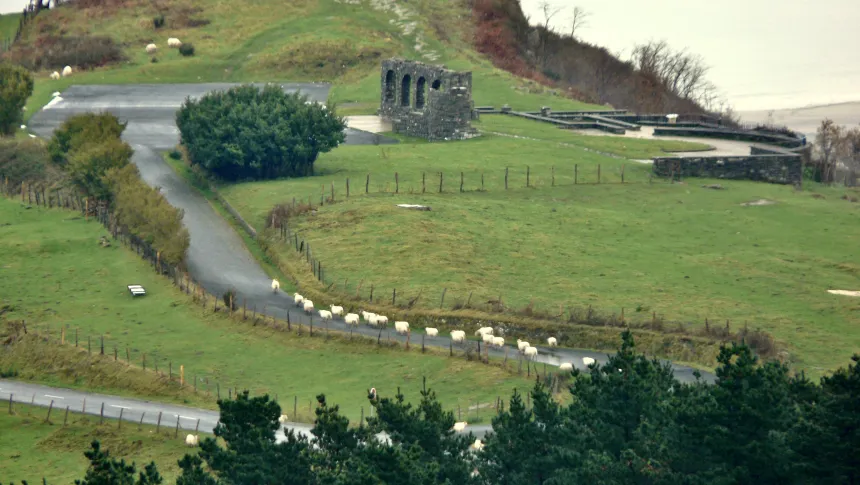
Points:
(217, 256)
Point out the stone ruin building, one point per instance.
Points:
(427, 101)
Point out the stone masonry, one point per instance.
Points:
(426, 101)
(773, 168)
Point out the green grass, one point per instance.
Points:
(8, 25)
(49, 255)
(682, 251)
(631, 148)
(275, 41)
(33, 449)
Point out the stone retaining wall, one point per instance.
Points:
(783, 168)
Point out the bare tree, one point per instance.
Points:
(549, 11)
(579, 20)
(681, 72)
(829, 141)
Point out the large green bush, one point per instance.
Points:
(16, 85)
(83, 129)
(248, 133)
(88, 166)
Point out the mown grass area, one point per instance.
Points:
(8, 25)
(680, 250)
(33, 449)
(274, 41)
(55, 272)
(632, 148)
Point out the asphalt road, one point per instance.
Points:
(217, 257)
(138, 411)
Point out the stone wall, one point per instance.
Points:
(731, 134)
(783, 168)
(426, 101)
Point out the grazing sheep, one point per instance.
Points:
(283, 419)
(487, 338)
(336, 310)
(351, 319)
(371, 394)
(55, 75)
(298, 299)
(552, 342)
(173, 42)
(498, 342)
(484, 330)
(151, 48)
(192, 440)
(67, 71)
(477, 445)
(522, 345)
(366, 315)
(381, 320)
(530, 351)
(401, 327)
(308, 306)
(325, 314)
(431, 332)
(566, 366)
(587, 361)
(459, 427)
(371, 319)
(276, 285)
(458, 335)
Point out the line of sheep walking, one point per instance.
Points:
(150, 49)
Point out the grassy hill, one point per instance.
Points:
(54, 272)
(8, 25)
(336, 41)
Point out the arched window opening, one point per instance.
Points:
(420, 92)
(389, 86)
(437, 85)
(404, 90)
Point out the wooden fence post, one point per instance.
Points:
(367, 184)
(442, 301)
(552, 171)
(396, 183)
(528, 175)
(598, 173)
(575, 174)
(440, 182)
(347, 187)
(506, 178)
(622, 173)
(393, 296)
(482, 181)
(461, 182)
(332, 191)
(423, 182)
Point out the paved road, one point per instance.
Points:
(137, 411)
(217, 257)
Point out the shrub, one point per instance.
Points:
(246, 132)
(55, 52)
(26, 161)
(154, 60)
(16, 85)
(187, 50)
(158, 21)
(80, 130)
(88, 166)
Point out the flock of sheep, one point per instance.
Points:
(150, 49)
(401, 327)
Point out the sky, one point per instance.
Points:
(763, 54)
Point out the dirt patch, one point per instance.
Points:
(759, 202)
(844, 292)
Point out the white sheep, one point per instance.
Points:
(366, 315)
(381, 320)
(67, 71)
(173, 42)
(432, 332)
(325, 314)
(498, 342)
(552, 342)
(566, 366)
(401, 327)
(484, 331)
(191, 440)
(298, 299)
(371, 319)
(283, 419)
(351, 319)
(151, 48)
(336, 310)
(587, 361)
(522, 345)
(530, 351)
(487, 338)
(460, 426)
(458, 335)
(276, 285)
(477, 445)
(55, 75)
(308, 306)
(54, 94)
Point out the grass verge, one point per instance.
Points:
(33, 448)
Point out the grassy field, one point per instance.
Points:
(685, 252)
(32, 449)
(49, 255)
(8, 25)
(276, 41)
(631, 148)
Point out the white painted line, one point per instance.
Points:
(55, 397)
(115, 406)
(186, 417)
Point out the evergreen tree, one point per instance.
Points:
(16, 85)
(105, 470)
